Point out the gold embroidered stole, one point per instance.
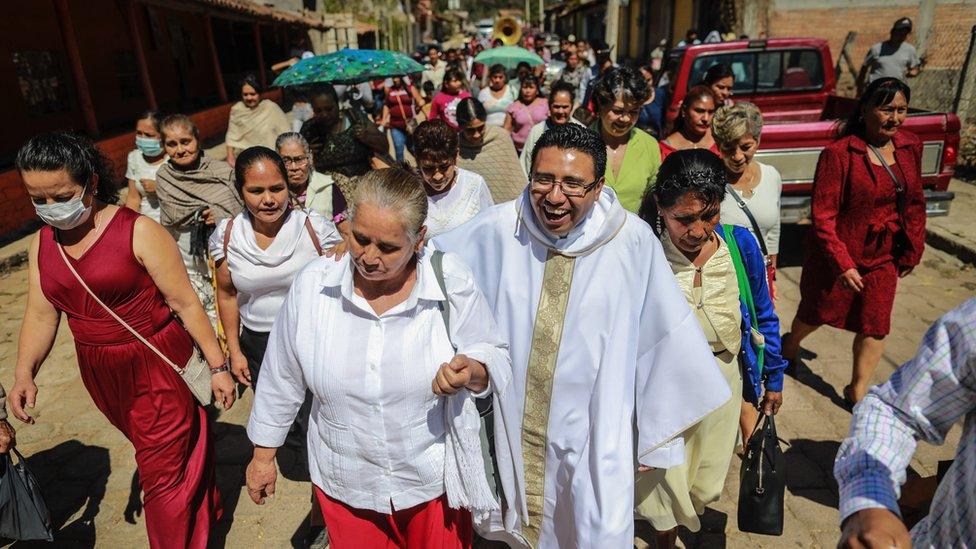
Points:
(546, 336)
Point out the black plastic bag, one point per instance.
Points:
(762, 481)
(23, 513)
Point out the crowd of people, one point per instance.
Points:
(545, 313)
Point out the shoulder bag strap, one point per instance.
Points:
(132, 330)
(437, 262)
(899, 188)
(742, 277)
(745, 289)
(227, 229)
(752, 218)
(313, 236)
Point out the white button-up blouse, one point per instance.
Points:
(376, 434)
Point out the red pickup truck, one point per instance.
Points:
(792, 81)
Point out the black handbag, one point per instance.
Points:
(762, 481)
(23, 513)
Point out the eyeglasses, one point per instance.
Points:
(575, 189)
(295, 160)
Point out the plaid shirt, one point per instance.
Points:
(922, 400)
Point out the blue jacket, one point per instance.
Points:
(772, 375)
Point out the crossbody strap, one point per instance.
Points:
(437, 263)
(312, 235)
(752, 218)
(742, 277)
(899, 187)
(138, 336)
(227, 229)
(745, 288)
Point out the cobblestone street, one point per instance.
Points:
(86, 467)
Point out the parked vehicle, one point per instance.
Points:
(793, 83)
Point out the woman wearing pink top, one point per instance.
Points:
(453, 90)
(530, 109)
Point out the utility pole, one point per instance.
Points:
(542, 16)
(613, 25)
(528, 14)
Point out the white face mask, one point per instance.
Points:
(65, 215)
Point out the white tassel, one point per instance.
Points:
(464, 467)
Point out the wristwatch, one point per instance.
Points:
(222, 368)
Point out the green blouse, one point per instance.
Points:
(637, 171)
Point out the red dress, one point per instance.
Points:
(856, 225)
(139, 394)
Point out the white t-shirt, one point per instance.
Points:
(468, 196)
(262, 277)
(764, 205)
(137, 169)
(496, 107)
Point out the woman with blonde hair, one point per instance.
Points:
(754, 188)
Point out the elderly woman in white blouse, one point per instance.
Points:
(753, 200)
(394, 447)
(454, 195)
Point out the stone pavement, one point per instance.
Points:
(956, 232)
(85, 467)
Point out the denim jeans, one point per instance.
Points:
(400, 141)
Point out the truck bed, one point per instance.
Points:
(792, 141)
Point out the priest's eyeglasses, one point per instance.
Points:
(571, 188)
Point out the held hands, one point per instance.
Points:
(223, 388)
(462, 372)
(260, 479)
(874, 528)
(851, 279)
(23, 394)
(149, 185)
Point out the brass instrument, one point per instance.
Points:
(508, 30)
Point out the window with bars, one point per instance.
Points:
(42, 81)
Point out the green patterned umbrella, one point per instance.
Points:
(348, 66)
(508, 56)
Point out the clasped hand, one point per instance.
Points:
(462, 372)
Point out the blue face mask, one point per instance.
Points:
(149, 146)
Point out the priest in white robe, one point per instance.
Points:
(610, 365)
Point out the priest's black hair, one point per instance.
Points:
(574, 137)
(697, 171)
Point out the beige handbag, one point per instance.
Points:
(196, 373)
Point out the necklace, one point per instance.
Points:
(747, 183)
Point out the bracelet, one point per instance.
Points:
(339, 218)
(222, 368)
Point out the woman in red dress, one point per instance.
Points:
(135, 268)
(865, 237)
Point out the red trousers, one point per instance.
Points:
(431, 525)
